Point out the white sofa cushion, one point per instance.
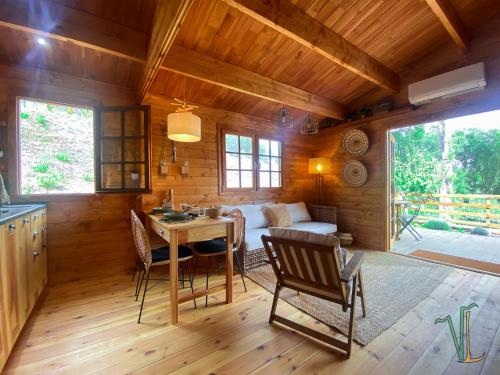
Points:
(315, 227)
(254, 216)
(298, 212)
(252, 238)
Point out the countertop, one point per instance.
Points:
(9, 212)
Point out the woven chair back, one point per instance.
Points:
(141, 240)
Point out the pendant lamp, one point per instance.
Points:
(184, 125)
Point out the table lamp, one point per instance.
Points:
(320, 167)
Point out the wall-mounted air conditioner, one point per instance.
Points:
(456, 82)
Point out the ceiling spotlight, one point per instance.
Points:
(41, 41)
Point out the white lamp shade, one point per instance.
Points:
(184, 127)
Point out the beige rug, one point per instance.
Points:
(393, 286)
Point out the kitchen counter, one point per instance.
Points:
(9, 212)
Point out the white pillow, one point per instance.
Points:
(303, 236)
(298, 212)
(254, 216)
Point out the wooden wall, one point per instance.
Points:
(201, 186)
(89, 235)
(363, 210)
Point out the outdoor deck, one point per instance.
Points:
(483, 248)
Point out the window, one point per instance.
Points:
(56, 148)
(59, 152)
(250, 163)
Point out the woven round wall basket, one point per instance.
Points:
(355, 142)
(355, 173)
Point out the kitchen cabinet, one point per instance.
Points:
(23, 274)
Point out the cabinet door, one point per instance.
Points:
(4, 348)
(35, 256)
(43, 254)
(9, 262)
(23, 233)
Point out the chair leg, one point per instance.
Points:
(362, 293)
(135, 270)
(239, 269)
(352, 317)
(140, 285)
(191, 280)
(206, 287)
(137, 284)
(275, 302)
(144, 295)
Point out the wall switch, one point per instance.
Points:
(164, 169)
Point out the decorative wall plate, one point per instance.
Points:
(355, 173)
(355, 142)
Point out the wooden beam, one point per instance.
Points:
(168, 18)
(51, 20)
(203, 67)
(286, 18)
(444, 10)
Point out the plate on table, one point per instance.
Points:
(157, 210)
(176, 216)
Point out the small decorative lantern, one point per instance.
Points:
(310, 126)
(283, 118)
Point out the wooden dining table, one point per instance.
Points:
(199, 229)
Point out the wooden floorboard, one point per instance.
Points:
(89, 327)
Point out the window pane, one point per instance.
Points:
(275, 164)
(134, 123)
(111, 176)
(263, 147)
(134, 149)
(246, 161)
(135, 176)
(111, 123)
(246, 145)
(232, 143)
(232, 161)
(275, 179)
(111, 150)
(232, 179)
(264, 163)
(264, 179)
(246, 179)
(275, 148)
(56, 148)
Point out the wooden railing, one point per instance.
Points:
(471, 210)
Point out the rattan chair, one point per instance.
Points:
(214, 249)
(316, 270)
(157, 257)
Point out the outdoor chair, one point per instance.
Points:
(407, 220)
(313, 264)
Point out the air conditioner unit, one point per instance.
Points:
(456, 82)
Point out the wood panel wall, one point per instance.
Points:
(363, 211)
(89, 235)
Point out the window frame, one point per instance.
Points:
(270, 139)
(255, 136)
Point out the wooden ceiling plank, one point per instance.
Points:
(291, 21)
(54, 21)
(203, 67)
(446, 13)
(167, 21)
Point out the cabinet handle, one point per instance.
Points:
(35, 253)
(35, 233)
(161, 232)
(43, 229)
(26, 221)
(12, 226)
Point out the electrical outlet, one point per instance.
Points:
(164, 169)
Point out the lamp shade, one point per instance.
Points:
(184, 127)
(320, 165)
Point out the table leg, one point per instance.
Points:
(174, 292)
(398, 223)
(229, 265)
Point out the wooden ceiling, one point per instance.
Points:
(325, 55)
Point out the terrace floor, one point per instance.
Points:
(482, 248)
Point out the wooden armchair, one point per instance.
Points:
(317, 270)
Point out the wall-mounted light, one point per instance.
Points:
(41, 41)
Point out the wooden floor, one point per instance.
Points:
(483, 248)
(90, 327)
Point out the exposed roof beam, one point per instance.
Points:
(286, 18)
(196, 65)
(55, 21)
(444, 10)
(167, 21)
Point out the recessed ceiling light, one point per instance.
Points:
(41, 41)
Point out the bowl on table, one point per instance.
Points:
(214, 212)
(176, 216)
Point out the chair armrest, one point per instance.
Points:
(352, 267)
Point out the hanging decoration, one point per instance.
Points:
(183, 125)
(355, 173)
(283, 118)
(310, 125)
(355, 142)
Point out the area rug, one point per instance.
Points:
(393, 286)
(458, 261)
